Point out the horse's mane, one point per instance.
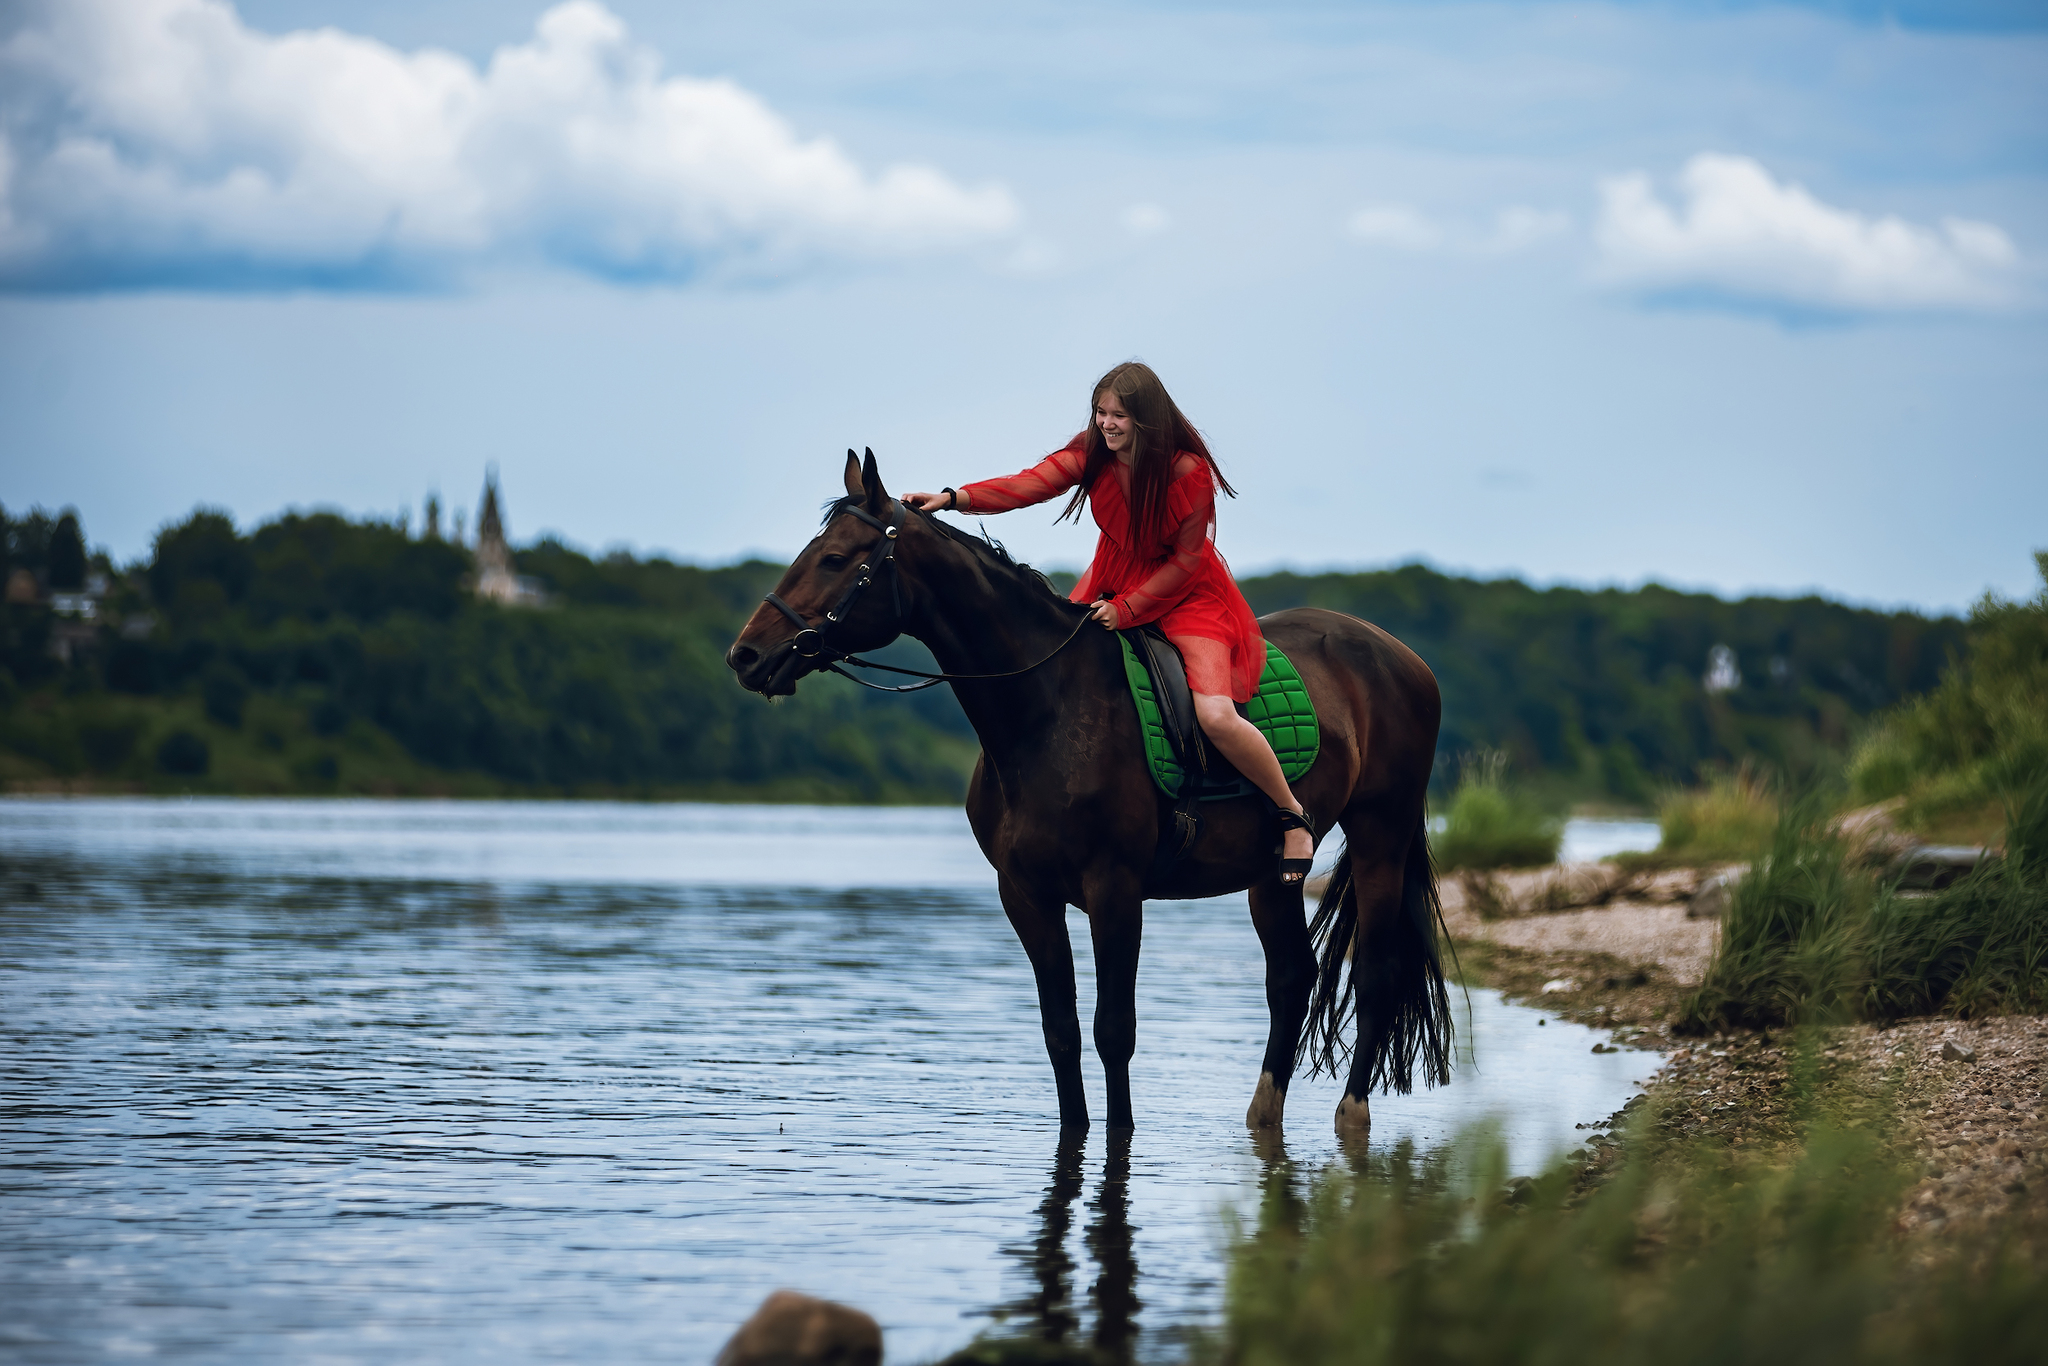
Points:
(990, 551)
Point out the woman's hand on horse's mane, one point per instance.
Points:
(1104, 612)
(930, 502)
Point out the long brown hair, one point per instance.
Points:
(1159, 430)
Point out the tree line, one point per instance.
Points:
(1608, 690)
(320, 653)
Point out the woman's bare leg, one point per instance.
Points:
(1246, 746)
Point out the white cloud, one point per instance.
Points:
(1515, 228)
(1395, 225)
(1743, 234)
(162, 141)
(1146, 220)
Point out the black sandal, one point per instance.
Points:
(1293, 870)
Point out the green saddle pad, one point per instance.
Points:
(1280, 708)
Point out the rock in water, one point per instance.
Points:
(1936, 867)
(796, 1330)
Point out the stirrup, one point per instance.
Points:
(1293, 871)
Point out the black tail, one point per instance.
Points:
(1404, 980)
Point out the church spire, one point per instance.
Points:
(490, 525)
(496, 578)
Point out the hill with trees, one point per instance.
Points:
(315, 653)
(1617, 691)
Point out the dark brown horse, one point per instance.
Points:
(1062, 805)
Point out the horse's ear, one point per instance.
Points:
(871, 483)
(854, 489)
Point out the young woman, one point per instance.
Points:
(1147, 476)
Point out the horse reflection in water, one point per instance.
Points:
(1048, 1313)
(1108, 1327)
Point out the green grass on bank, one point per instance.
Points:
(1811, 936)
(1680, 1251)
(1489, 823)
(1714, 1259)
(1729, 819)
(1979, 734)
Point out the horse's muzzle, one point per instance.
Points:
(773, 674)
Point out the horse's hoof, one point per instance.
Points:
(1354, 1117)
(1267, 1104)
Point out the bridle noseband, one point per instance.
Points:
(809, 641)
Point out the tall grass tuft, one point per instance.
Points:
(2026, 829)
(1808, 937)
(1979, 946)
(1715, 1260)
(1730, 819)
(1491, 825)
(1789, 937)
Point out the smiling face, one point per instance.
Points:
(1114, 423)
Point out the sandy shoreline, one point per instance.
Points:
(1643, 931)
(1964, 1099)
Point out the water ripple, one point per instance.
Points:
(377, 1081)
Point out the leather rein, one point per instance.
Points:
(809, 641)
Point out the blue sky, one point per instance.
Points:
(1736, 296)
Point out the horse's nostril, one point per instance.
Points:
(741, 658)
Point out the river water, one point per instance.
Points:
(479, 1081)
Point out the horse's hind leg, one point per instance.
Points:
(1278, 916)
(1404, 1012)
(1375, 852)
(1041, 925)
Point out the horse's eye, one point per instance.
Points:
(833, 563)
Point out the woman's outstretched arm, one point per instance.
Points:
(1049, 478)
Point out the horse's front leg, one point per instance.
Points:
(1278, 916)
(1116, 923)
(1041, 925)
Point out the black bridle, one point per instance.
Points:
(809, 641)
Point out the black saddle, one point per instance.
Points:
(1210, 776)
(1176, 699)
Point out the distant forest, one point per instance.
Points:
(320, 654)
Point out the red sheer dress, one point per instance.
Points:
(1173, 577)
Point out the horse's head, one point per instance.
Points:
(843, 594)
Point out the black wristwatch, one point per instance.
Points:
(952, 498)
